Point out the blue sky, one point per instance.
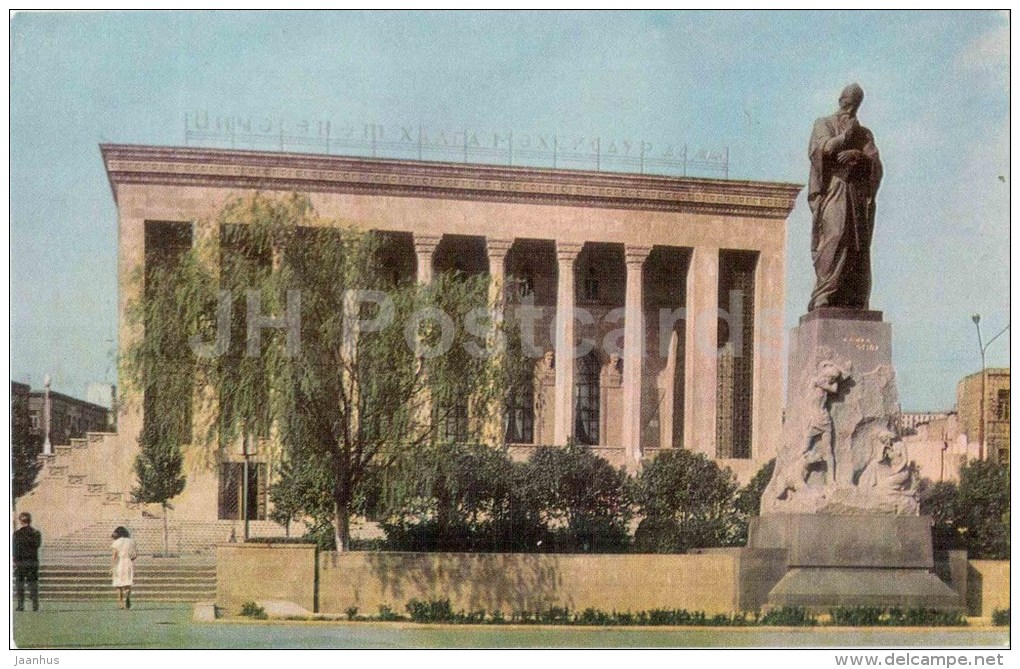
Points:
(937, 100)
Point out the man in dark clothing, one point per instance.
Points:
(27, 541)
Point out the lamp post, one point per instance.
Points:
(981, 404)
(247, 452)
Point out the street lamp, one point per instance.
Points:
(981, 404)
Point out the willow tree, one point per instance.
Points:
(300, 336)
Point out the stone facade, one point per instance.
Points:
(632, 250)
(996, 411)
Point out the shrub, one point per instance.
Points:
(860, 616)
(437, 611)
(280, 540)
(788, 616)
(747, 503)
(578, 498)
(253, 610)
(386, 614)
(1000, 617)
(918, 617)
(687, 502)
(352, 613)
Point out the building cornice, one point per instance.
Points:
(180, 166)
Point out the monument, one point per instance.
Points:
(843, 499)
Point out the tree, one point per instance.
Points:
(158, 469)
(939, 500)
(371, 371)
(579, 497)
(747, 503)
(687, 502)
(457, 497)
(982, 509)
(25, 451)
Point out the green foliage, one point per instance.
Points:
(386, 614)
(158, 470)
(687, 502)
(352, 613)
(458, 497)
(878, 617)
(579, 497)
(983, 509)
(437, 611)
(939, 500)
(748, 502)
(925, 618)
(25, 451)
(788, 616)
(348, 403)
(974, 514)
(1000, 617)
(861, 616)
(253, 610)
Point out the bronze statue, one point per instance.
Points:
(845, 175)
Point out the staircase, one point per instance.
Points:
(156, 580)
(185, 537)
(80, 483)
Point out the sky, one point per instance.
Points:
(937, 100)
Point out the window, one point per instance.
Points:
(520, 415)
(1002, 405)
(232, 491)
(591, 285)
(453, 420)
(525, 284)
(587, 415)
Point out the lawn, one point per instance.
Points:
(162, 625)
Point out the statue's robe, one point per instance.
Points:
(842, 201)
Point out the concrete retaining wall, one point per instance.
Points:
(987, 587)
(526, 582)
(252, 572)
(507, 582)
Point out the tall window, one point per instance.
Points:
(453, 420)
(735, 365)
(587, 413)
(1002, 405)
(232, 502)
(591, 285)
(520, 415)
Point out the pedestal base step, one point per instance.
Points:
(824, 588)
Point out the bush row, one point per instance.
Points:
(475, 498)
(441, 611)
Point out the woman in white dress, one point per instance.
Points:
(124, 554)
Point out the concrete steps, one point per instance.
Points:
(166, 580)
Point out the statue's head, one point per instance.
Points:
(851, 98)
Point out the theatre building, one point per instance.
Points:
(691, 270)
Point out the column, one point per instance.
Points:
(130, 266)
(497, 250)
(425, 249)
(566, 256)
(205, 239)
(633, 353)
(701, 351)
(767, 406)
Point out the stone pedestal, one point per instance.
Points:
(842, 503)
(866, 560)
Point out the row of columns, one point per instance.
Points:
(634, 330)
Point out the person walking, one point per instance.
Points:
(124, 554)
(26, 542)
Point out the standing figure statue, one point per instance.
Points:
(845, 175)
